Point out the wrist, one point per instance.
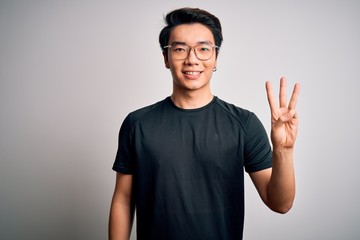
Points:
(282, 154)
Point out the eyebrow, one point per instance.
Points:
(183, 43)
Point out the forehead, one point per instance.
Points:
(191, 34)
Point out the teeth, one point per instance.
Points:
(192, 73)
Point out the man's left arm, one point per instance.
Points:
(276, 185)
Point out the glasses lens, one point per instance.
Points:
(179, 51)
(204, 51)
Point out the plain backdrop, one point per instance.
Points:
(70, 71)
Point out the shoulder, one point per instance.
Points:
(240, 114)
(246, 119)
(144, 112)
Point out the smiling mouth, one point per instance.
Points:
(192, 73)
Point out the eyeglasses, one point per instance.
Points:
(180, 51)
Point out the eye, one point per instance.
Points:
(204, 48)
(178, 48)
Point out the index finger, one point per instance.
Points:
(294, 96)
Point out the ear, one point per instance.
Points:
(166, 61)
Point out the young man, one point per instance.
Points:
(180, 162)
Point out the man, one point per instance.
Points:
(181, 161)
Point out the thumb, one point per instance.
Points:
(286, 117)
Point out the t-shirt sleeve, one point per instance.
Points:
(258, 154)
(124, 160)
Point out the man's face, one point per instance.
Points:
(191, 73)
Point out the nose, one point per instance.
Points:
(191, 58)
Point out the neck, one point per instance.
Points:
(191, 100)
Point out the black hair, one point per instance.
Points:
(189, 16)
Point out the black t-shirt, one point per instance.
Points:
(188, 168)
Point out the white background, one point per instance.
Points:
(70, 71)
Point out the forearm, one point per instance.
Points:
(120, 222)
(281, 187)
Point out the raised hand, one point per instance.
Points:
(284, 119)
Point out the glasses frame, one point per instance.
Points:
(214, 47)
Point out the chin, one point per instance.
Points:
(187, 84)
(194, 87)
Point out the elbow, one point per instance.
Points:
(281, 203)
(282, 208)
